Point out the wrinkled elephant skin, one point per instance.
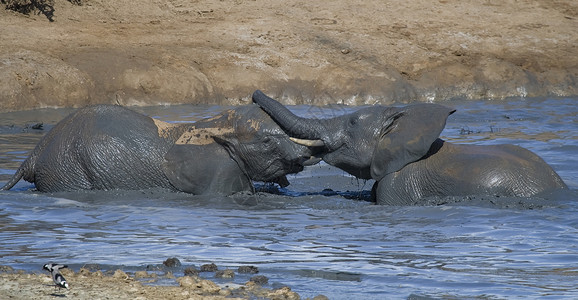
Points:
(400, 148)
(107, 147)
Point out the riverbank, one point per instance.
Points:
(351, 52)
(143, 285)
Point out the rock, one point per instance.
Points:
(260, 279)
(6, 269)
(187, 281)
(225, 274)
(284, 293)
(141, 274)
(209, 267)
(248, 270)
(155, 267)
(172, 262)
(191, 271)
(119, 274)
(198, 285)
(208, 287)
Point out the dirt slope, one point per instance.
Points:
(343, 51)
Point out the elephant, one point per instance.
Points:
(400, 148)
(108, 147)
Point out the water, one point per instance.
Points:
(318, 243)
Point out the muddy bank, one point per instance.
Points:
(353, 52)
(117, 284)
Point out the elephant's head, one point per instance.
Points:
(264, 150)
(369, 143)
(260, 148)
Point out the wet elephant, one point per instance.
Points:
(400, 148)
(106, 147)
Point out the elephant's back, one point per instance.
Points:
(114, 120)
(508, 170)
(101, 147)
(463, 170)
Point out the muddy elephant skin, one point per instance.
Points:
(399, 147)
(107, 147)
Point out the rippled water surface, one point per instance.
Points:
(318, 243)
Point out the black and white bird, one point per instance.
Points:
(54, 270)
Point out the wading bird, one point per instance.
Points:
(57, 278)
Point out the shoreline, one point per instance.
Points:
(219, 52)
(91, 283)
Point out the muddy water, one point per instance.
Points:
(319, 242)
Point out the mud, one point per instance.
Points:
(303, 52)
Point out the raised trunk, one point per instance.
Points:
(295, 126)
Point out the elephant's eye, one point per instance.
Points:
(353, 121)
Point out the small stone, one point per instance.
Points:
(186, 281)
(119, 274)
(154, 268)
(141, 274)
(209, 267)
(97, 273)
(346, 51)
(172, 262)
(248, 270)
(283, 293)
(225, 274)
(259, 279)
(191, 271)
(201, 286)
(6, 269)
(208, 286)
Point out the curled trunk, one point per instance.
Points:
(295, 126)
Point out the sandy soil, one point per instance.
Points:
(85, 284)
(341, 51)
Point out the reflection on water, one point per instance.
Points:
(321, 243)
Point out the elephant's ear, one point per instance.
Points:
(193, 153)
(202, 169)
(231, 143)
(409, 138)
(197, 169)
(180, 168)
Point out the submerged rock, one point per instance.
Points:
(225, 274)
(209, 268)
(260, 279)
(191, 271)
(248, 270)
(172, 262)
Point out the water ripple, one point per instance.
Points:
(325, 242)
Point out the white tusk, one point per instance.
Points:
(308, 143)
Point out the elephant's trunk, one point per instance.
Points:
(295, 126)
